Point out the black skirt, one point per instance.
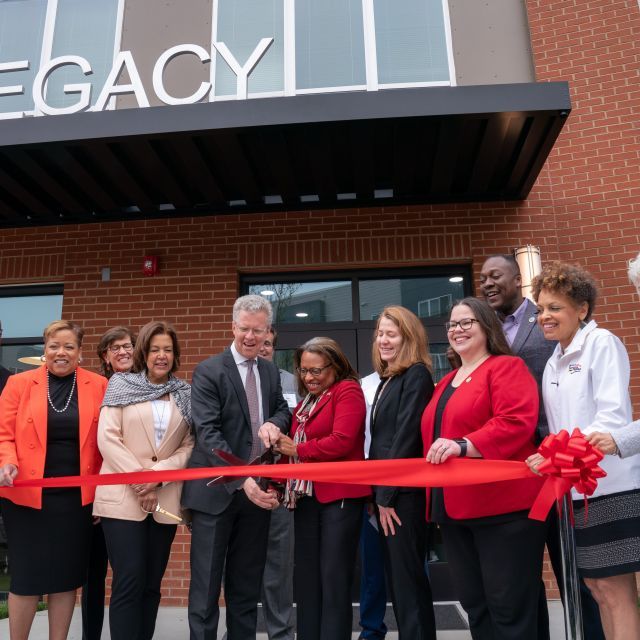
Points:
(608, 539)
(48, 548)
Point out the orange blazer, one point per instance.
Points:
(23, 430)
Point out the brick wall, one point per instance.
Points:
(584, 207)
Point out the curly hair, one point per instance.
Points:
(569, 280)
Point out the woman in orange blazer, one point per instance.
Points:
(328, 425)
(487, 408)
(48, 427)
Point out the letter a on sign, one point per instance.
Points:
(124, 60)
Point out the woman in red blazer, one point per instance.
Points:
(328, 425)
(487, 408)
(48, 427)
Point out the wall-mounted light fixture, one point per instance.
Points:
(528, 259)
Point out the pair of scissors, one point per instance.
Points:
(265, 458)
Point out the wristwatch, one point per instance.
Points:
(462, 443)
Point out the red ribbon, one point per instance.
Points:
(570, 462)
(413, 472)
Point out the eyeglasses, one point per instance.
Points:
(256, 332)
(114, 348)
(314, 371)
(465, 324)
(267, 343)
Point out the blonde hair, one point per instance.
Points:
(63, 325)
(414, 347)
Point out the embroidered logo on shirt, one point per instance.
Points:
(575, 368)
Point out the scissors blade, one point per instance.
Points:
(265, 458)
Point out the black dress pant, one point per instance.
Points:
(138, 553)
(404, 565)
(496, 564)
(326, 543)
(93, 589)
(237, 538)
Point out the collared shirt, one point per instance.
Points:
(243, 370)
(369, 386)
(511, 323)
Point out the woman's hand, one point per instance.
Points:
(388, 517)
(148, 502)
(7, 475)
(285, 446)
(534, 461)
(443, 449)
(144, 489)
(604, 442)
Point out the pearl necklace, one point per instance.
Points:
(66, 405)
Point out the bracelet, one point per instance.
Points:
(462, 443)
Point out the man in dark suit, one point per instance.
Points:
(501, 286)
(4, 373)
(237, 406)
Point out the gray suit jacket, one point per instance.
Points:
(221, 421)
(531, 345)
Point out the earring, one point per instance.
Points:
(42, 358)
(79, 359)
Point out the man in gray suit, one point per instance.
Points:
(277, 580)
(237, 406)
(500, 283)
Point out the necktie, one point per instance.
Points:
(251, 391)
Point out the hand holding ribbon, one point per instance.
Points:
(569, 462)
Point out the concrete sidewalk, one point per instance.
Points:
(172, 625)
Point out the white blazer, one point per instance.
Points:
(587, 387)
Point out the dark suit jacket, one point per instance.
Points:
(395, 425)
(531, 345)
(4, 376)
(221, 421)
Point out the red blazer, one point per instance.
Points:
(23, 430)
(496, 408)
(335, 431)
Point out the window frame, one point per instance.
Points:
(370, 57)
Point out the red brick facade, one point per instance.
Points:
(584, 207)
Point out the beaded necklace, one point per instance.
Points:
(66, 405)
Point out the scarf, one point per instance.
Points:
(296, 489)
(131, 388)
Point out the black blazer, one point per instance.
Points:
(221, 421)
(395, 425)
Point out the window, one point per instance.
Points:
(411, 41)
(24, 313)
(39, 30)
(21, 32)
(329, 44)
(307, 302)
(346, 305)
(86, 29)
(241, 25)
(410, 293)
(333, 44)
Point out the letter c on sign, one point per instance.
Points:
(84, 88)
(163, 61)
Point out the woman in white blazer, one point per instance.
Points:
(145, 424)
(586, 385)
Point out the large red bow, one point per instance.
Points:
(571, 462)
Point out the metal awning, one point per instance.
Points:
(423, 145)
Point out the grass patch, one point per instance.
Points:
(4, 609)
